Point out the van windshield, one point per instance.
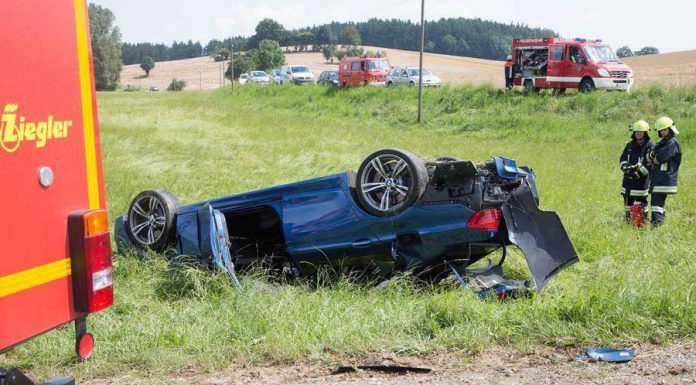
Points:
(600, 53)
(300, 69)
(378, 65)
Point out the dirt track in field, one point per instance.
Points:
(674, 69)
(675, 364)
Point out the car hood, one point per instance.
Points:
(615, 67)
(427, 79)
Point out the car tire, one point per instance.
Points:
(151, 220)
(389, 181)
(587, 85)
(389, 84)
(411, 84)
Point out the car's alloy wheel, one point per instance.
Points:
(389, 181)
(151, 219)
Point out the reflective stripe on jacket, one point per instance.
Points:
(665, 166)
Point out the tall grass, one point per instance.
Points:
(630, 287)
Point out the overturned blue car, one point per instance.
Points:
(396, 213)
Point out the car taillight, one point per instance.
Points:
(92, 270)
(488, 219)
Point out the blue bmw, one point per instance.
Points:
(396, 213)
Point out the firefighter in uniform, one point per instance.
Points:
(665, 159)
(633, 163)
(508, 73)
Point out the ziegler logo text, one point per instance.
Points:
(15, 129)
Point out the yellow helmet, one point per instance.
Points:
(664, 123)
(640, 125)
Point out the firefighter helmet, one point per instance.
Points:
(664, 123)
(641, 126)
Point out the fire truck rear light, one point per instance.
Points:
(102, 279)
(92, 269)
(96, 222)
(488, 219)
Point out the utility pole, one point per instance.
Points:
(232, 64)
(420, 66)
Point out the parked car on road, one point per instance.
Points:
(409, 76)
(328, 77)
(296, 74)
(259, 77)
(243, 78)
(275, 75)
(363, 71)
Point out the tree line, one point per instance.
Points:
(453, 36)
(626, 51)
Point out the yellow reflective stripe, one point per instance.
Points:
(87, 112)
(663, 167)
(664, 189)
(27, 279)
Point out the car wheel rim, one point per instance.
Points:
(386, 182)
(147, 220)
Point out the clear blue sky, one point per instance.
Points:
(666, 24)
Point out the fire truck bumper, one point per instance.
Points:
(613, 84)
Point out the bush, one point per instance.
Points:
(355, 51)
(176, 85)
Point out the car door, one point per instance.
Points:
(555, 66)
(354, 73)
(322, 226)
(574, 66)
(404, 78)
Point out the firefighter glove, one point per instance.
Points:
(651, 156)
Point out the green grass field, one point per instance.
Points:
(630, 287)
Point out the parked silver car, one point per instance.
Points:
(259, 77)
(275, 75)
(409, 76)
(296, 74)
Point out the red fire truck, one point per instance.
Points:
(559, 64)
(55, 249)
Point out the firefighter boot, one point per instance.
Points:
(658, 216)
